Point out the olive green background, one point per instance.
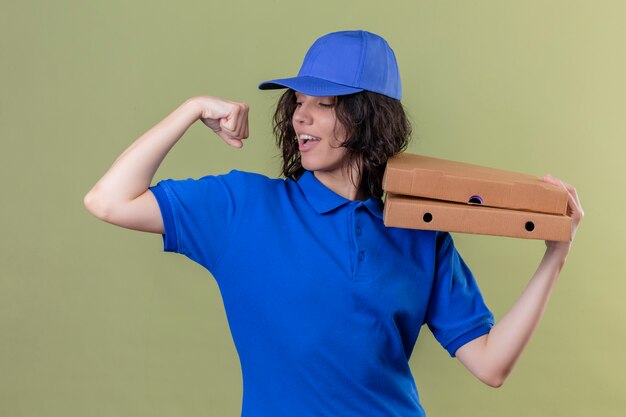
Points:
(97, 321)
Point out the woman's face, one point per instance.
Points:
(319, 134)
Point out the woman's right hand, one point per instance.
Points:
(228, 119)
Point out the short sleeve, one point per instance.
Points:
(198, 214)
(456, 312)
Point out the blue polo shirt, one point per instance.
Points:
(324, 302)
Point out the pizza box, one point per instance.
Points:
(419, 213)
(460, 182)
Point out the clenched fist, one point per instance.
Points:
(228, 119)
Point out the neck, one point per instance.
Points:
(341, 184)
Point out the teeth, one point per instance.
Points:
(305, 138)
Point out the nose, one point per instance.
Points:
(302, 114)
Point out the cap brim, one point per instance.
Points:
(310, 86)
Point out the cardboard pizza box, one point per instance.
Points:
(440, 179)
(418, 213)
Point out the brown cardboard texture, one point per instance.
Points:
(418, 213)
(460, 182)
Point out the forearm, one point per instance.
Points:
(492, 357)
(513, 331)
(132, 172)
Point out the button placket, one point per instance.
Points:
(361, 271)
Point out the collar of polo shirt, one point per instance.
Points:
(324, 200)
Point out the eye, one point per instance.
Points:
(328, 105)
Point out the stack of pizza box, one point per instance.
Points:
(437, 194)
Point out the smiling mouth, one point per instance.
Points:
(308, 138)
(306, 142)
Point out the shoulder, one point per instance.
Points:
(235, 179)
(232, 186)
(437, 246)
(236, 175)
(251, 183)
(420, 245)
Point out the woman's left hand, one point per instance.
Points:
(574, 210)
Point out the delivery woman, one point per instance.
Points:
(324, 302)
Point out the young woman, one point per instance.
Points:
(324, 302)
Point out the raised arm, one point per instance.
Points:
(121, 196)
(491, 357)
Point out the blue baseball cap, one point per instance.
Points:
(343, 63)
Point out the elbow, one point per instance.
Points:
(96, 205)
(494, 382)
(490, 366)
(494, 379)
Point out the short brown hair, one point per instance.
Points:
(377, 128)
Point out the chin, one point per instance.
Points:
(320, 164)
(310, 165)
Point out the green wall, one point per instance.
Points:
(97, 321)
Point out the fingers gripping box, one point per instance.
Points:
(438, 194)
